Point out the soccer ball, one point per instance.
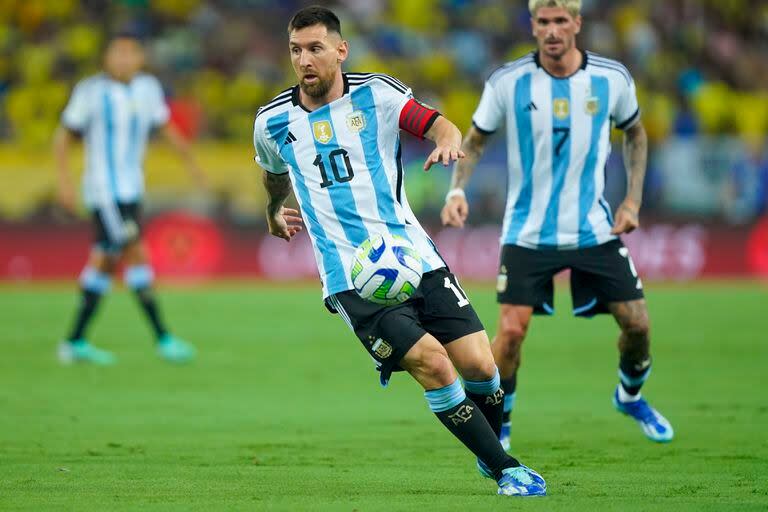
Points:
(386, 269)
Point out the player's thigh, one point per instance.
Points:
(444, 309)
(387, 333)
(525, 277)
(472, 356)
(117, 224)
(602, 275)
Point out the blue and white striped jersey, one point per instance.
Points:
(115, 119)
(343, 160)
(558, 143)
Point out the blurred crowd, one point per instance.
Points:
(700, 65)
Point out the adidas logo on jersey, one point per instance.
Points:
(531, 106)
(290, 138)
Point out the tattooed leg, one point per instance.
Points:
(634, 344)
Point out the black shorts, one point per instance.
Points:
(599, 275)
(439, 307)
(116, 225)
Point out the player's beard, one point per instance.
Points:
(319, 89)
(559, 54)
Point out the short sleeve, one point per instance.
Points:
(401, 99)
(392, 92)
(160, 113)
(490, 112)
(77, 114)
(627, 111)
(267, 153)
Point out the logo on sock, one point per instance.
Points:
(643, 365)
(496, 398)
(463, 415)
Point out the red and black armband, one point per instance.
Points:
(417, 118)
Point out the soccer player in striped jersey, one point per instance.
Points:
(114, 113)
(558, 104)
(335, 139)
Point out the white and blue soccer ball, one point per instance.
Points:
(386, 269)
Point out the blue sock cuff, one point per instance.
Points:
(509, 401)
(139, 276)
(634, 381)
(484, 387)
(94, 280)
(445, 398)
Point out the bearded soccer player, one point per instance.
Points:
(335, 139)
(114, 112)
(559, 104)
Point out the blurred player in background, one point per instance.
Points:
(334, 139)
(558, 104)
(114, 112)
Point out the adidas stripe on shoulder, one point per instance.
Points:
(599, 61)
(509, 67)
(361, 78)
(281, 99)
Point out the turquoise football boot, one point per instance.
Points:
(80, 351)
(175, 350)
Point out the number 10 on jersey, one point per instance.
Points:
(339, 175)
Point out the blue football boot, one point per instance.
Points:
(521, 481)
(655, 426)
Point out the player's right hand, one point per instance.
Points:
(66, 198)
(285, 223)
(455, 212)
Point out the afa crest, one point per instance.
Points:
(356, 121)
(322, 131)
(592, 105)
(561, 108)
(381, 348)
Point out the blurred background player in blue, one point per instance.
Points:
(115, 112)
(559, 104)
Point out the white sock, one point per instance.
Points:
(626, 397)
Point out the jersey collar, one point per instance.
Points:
(296, 98)
(583, 65)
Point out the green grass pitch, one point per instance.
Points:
(283, 411)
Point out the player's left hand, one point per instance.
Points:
(285, 223)
(201, 181)
(445, 154)
(627, 218)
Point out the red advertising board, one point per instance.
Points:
(185, 245)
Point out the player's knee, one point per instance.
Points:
(636, 327)
(484, 369)
(440, 367)
(134, 253)
(103, 263)
(433, 362)
(511, 331)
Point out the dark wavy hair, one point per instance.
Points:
(313, 15)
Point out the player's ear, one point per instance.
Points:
(342, 51)
(577, 22)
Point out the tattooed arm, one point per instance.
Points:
(635, 158)
(456, 208)
(283, 222)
